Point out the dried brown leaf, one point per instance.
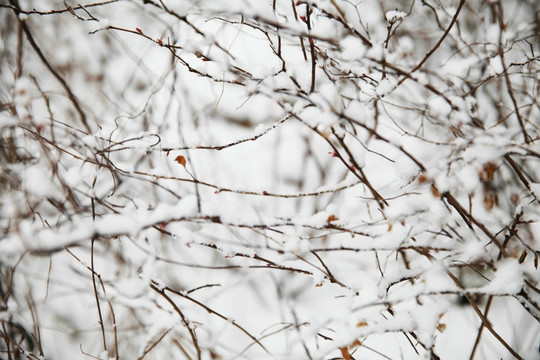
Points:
(345, 353)
(331, 218)
(488, 171)
(181, 160)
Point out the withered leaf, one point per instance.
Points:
(181, 160)
(434, 191)
(523, 256)
(422, 178)
(331, 218)
(345, 353)
(488, 171)
(441, 327)
(490, 200)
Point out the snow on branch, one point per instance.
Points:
(319, 179)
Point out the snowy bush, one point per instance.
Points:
(245, 179)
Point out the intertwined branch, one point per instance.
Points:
(239, 180)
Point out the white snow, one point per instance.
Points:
(394, 15)
(274, 230)
(495, 66)
(386, 86)
(468, 179)
(22, 92)
(535, 188)
(508, 279)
